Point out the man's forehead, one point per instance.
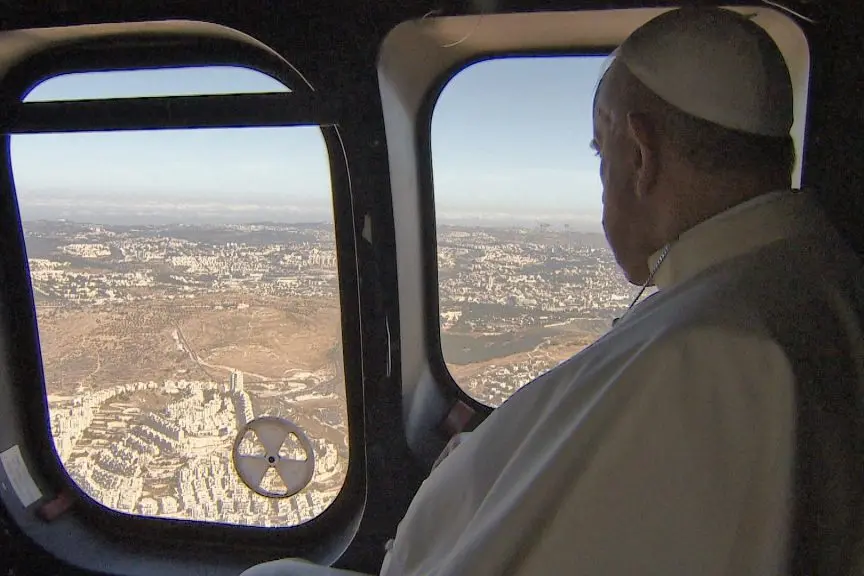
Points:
(600, 113)
(606, 67)
(605, 88)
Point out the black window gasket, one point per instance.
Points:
(322, 537)
(168, 112)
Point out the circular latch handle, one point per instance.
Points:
(272, 432)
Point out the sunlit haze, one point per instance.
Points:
(509, 145)
(510, 142)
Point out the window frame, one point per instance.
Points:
(415, 56)
(446, 384)
(429, 230)
(322, 538)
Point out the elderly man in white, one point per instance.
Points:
(695, 436)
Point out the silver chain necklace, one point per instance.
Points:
(648, 281)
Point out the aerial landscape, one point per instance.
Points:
(160, 342)
(186, 282)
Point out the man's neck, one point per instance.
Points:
(709, 197)
(744, 227)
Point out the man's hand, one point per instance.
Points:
(451, 445)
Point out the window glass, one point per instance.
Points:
(182, 81)
(185, 283)
(526, 277)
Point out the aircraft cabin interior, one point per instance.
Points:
(343, 232)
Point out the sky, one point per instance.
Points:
(510, 145)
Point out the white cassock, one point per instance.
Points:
(667, 446)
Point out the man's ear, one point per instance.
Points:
(645, 159)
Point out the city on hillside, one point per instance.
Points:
(161, 342)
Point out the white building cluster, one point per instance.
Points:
(112, 490)
(301, 263)
(95, 250)
(194, 434)
(488, 284)
(70, 419)
(211, 489)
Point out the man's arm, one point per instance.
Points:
(451, 445)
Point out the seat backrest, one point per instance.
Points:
(829, 464)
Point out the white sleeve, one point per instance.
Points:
(691, 474)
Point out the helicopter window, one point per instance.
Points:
(185, 283)
(525, 275)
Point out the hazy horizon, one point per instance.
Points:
(501, 156)
(228, 215)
